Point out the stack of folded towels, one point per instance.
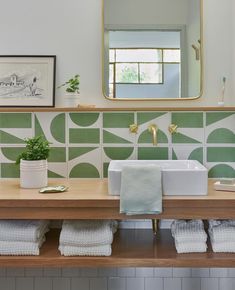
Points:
(190, 236)
(87, 237)
(22, 237)
(222, 235)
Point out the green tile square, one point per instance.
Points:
(10, 170)
(11, 153)
(15, 120)
(145, 117)
(188, 120)
(81, 136)
(221, 154)
(152, 153)
(117, 120)
(57, 154)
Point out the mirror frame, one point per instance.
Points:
(159, 99)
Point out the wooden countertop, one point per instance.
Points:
(88, 198)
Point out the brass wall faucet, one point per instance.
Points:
(153, 128)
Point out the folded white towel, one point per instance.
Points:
(222, 230)
(190, 247)
(188, 231)
(22, 230)
(17, 248)
(223, 247)
(87, 233)
(103, 250)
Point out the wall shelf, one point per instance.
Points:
(89, 199)
(84, 109)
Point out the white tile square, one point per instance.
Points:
(231, 272)
(33, 272)
(24, 283)
(134, 283)
(79, 284)
(226, 284)
(116, 283)
(7, 284)
(126, 272)
(15, 272)
(2, 272)
(61, 284)
(153, 284)
(42, 283)
(200, 272)
(107, 272)
(98, 284)
(182, 272)
(144, 272)
(52, 272)
(219, 272)
(163, 272)
(210, 284)
(172, 284)
(191, 284)
(70, 272)
(89, 272)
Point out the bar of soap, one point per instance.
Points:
(53, 189)
(227, 180)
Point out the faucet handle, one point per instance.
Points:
(134, 128)
(172, 128)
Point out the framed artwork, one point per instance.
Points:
(27, 80)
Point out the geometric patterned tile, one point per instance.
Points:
(84, 162)
(51, 126)
(221, 170)
(161, 119)
(220, 128)
(15, 127)
(187, 152)
(190, 127)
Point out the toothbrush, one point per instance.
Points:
(221, 102)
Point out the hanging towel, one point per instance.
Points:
(103, 250)
(190, 247)
(87, 233)
(11, 248)
(188, 231)
(141, 190)
(22, 230)
(222, 230)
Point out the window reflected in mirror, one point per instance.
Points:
(152, 60)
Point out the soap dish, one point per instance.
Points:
(225, 186)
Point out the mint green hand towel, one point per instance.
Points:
(141, 190)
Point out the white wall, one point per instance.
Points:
(72, 30)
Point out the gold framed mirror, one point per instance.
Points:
(152, 49)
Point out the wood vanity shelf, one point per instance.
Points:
(89, 199)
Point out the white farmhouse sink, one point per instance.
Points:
(179, 177)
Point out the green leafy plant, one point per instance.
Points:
(37, 148)
(72, 85)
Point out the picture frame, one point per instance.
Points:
(27, 80)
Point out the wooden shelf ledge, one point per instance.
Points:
(131, 248)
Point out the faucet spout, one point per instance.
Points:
(153, 128)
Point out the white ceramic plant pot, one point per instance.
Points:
(71, 100)
(33, 174)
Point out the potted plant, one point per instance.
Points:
(72, 91)
(33, 163)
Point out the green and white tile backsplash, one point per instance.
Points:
(83, 143)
